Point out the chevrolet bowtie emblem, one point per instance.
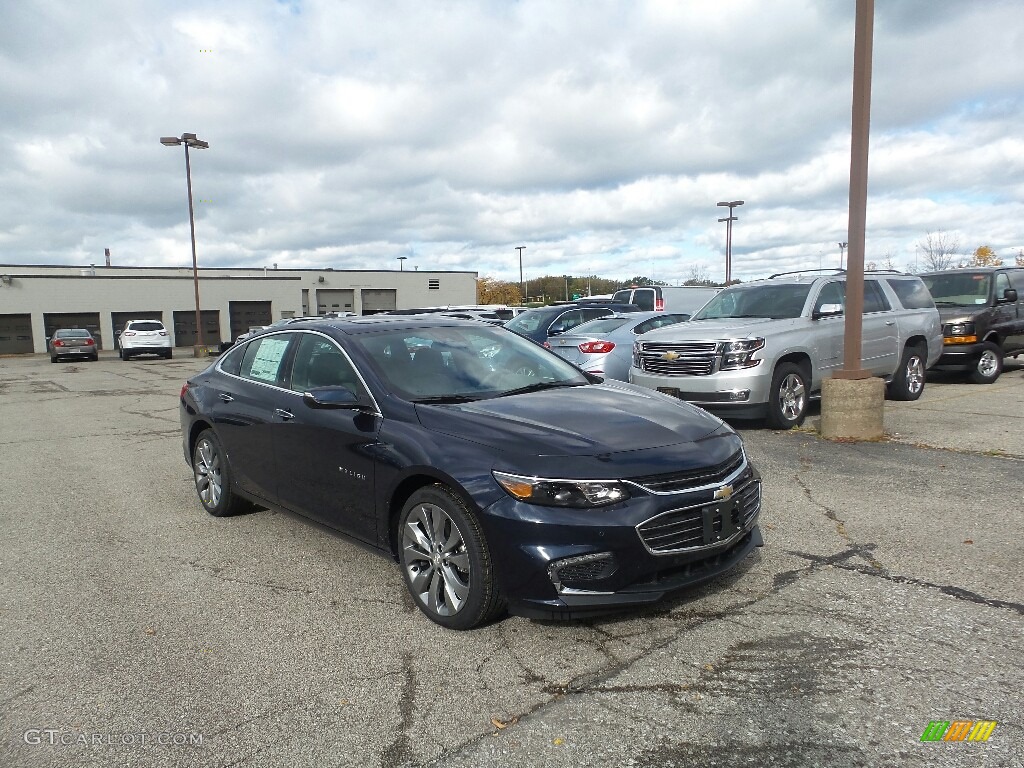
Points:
(670, 356)
(725, 492)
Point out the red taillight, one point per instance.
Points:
(546, 345)
(597, 347)
(184, 389)
(89, 342)
(659, 305)
(58, 343)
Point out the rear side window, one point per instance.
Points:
(623, 297)
(263, 357)
(911, 293)
(874, 299)
(232, 361)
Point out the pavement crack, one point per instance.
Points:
(399, 752)
(864, 550)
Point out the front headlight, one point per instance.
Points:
(562, 493)
(738, 354)
(959, 329)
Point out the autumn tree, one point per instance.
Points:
(984, 256)
(1020, 258)
(940, 250)
(491, 291)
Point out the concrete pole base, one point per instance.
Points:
(852, 409)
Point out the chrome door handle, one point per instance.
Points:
(890, 322)
(226, 398)
(286, 415)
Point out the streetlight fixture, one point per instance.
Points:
(190, 140)
(842, 253)
(401, 263)
(522, 285)
(728, 236)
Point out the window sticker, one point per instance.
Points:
(268, 360)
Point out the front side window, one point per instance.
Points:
(831, 293)
(566, 321)
(1002, 285)
(319, 362)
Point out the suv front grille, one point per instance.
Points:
(693, 478)
(683, 358)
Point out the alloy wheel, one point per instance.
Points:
(987, 364)
(436, 561)
(915, 375)
(792, 397)
(209, 482)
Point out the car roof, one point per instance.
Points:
(369, 323)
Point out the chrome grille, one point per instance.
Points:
(683, 529)
(684, 358)
(693, 478)
(748, 504)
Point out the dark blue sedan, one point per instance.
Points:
(497, 474)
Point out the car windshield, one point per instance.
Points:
(757, 300)
(457, 364)
(72, 333)
(958, 289)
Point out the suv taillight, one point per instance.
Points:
(163, 333)
(129, 333)
(597, 347)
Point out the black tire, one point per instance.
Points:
(168, 354)
(212, 474)
(124, 354)
(989, 364)
(53, 358)
(455, 584)
(909, 380)
(96, 357)
(787, 398)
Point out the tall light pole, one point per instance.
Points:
(522, 285)
(842, 253)
(190, 140)
(401, 263)
(728, 236)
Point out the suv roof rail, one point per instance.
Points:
(884, 271)
(829, 270)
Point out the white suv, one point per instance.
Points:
(144, 337)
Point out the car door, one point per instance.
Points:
(1015, 339)
(828, 331)
(245, 407)
(324, 456)
(880, 341)
(1004, 314)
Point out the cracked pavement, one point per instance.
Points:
(889, 593)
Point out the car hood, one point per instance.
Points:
(591, 420)
(949, 314)
(722, 328)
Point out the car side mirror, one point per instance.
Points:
(1009, 294)
(336, 398)
(827, 310)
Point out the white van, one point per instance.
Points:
(666, 298)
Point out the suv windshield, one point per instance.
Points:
(446, 364)
(151, 325)
(775, 301)
(958, 289)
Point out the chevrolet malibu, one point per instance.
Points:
(499, 476)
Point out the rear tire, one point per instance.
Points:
(124, 354)
(909, 380)
(213, 476)
(989, 364)
(787, 398)
(445, 560)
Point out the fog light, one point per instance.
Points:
(576, 572)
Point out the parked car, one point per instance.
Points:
(542, 322)
(666, 298)
(762, 349)
(73, 342)
(982, 311)
(432, 440)
(144, 337)
(604, 346)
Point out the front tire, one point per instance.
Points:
(787, 398)
(989, 364)
(908, 381)
(213, 476)
(445, 560)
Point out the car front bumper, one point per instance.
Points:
(958, 357)
(559, 563)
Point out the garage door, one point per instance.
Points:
(185, 327)
(118, 319)
(334, 300)
(378, 300)
(15, 334)
(245, 314)
(89, 320)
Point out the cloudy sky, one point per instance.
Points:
(599, 135)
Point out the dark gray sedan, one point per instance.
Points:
(604, 346)
(73, 342)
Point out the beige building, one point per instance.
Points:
(36, 300)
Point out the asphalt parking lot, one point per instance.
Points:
(137, 630)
